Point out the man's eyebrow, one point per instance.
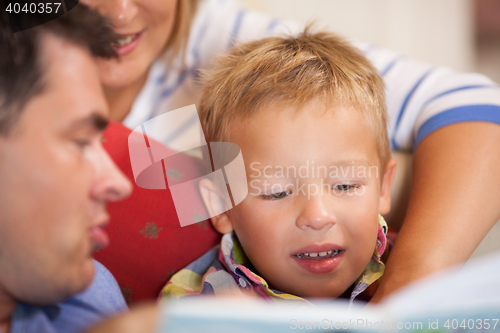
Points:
(96, 121)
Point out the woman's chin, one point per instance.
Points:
(120, 73)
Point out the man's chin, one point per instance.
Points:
(61, 287)
(80, 281)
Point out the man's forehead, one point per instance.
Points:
(72, 81)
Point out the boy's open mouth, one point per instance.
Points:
(319, 258)
(318, 255)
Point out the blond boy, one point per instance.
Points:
(309, 116)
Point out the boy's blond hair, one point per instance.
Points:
(292, 71)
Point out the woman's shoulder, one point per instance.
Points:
(219, 24)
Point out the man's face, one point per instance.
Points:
(309, 223)
(55, 180)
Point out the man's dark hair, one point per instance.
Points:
(21, 65)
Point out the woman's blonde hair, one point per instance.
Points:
(292, 71)
(176, 44)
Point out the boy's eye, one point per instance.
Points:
(276, 196)
(344, 187)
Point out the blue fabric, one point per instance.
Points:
(451, 91)
(101, 299)
(390, 65)
(394, 145)
(236, 27)
(489, 113)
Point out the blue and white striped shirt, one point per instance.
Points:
(420, 98)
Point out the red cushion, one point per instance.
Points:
(148, 244)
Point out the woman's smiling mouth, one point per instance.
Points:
(127, 43)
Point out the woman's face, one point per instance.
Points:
(144, 26)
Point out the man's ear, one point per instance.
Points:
(216, 206)
(385, 190)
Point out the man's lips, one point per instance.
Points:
(98, 236)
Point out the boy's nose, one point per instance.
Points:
(315, 214)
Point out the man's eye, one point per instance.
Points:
(82, 143)
(344, 187)
(276, 196)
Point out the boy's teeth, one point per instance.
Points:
(328, 254)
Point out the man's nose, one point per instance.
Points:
(120, 12)
(110, 184)
(315, 214)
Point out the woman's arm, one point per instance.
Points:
(454, 202)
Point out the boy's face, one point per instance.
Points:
(309, 223)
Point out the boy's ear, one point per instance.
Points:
(385, 190)
(216, 206)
